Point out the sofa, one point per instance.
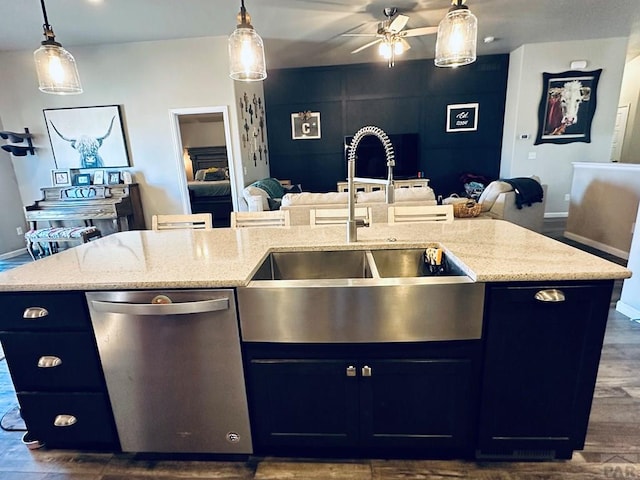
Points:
(266, 194)
(499, 201)
(300, 205)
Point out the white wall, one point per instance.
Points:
(11, 216)
(147, 79)
(630, 95)
(208, 133)
(553, 162)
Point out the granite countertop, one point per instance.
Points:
(489, 251)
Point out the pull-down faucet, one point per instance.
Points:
(352, 225)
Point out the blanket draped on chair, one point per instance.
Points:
(527, 190)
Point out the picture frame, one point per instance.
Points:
(305, 126)
(567, 106)
(113, 178)
(462, 117)
(87, 137)
(81, 179)
(98, 177)
(61, 177)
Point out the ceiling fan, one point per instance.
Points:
(390, 36)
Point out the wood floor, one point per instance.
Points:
(612, 450)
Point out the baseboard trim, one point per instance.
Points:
(556, 215)
(597, 245)
(627, 310)
(15, 253)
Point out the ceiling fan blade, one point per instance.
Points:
(405, 45)
(398, 23)
(414, 32)
(370, 44)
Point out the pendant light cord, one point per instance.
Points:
(44, 14)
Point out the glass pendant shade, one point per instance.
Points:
(457, 39)
(57, 71)
(246, 55)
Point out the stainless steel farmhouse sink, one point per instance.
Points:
(411, 263)
(358, 296)
(314, 265)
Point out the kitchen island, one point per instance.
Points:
(520, 386)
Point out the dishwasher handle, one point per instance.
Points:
(202, 306)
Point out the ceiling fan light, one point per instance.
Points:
(398, 47)
(457, 39)
(246, 51)
(385, 49)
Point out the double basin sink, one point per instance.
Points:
(359, 296)
(357, 264)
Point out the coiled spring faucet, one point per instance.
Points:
(352, 226)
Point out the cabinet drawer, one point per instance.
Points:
(52, 361)
(47, 311)
(92, 424)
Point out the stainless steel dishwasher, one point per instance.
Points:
(173, 369)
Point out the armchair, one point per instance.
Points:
(499, 201)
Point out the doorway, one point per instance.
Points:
(204, 159)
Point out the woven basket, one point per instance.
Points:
(467, 209)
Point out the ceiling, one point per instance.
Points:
(300, 33)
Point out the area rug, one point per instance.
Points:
(12, 421)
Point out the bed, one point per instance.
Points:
(210, 191)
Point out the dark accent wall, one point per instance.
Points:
(410, 97)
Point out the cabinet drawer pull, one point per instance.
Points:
(366, 371)
(551, 295)
(49, 361)
(64, 420)
(35, 312)
(351, 371)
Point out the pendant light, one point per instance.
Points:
(246, 51)
(457, 37)
(57, 72)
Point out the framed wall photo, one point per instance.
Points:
(113, 178)
(87, 137)
(80, 179)
(567, 106)
(462, 117)
(61, 178)
(305, 125)
(98, 177)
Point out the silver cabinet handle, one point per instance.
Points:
(49, 361)
(35, 312)
(64, 420)
(162, 308)
(351, 371)
(366, 371)
(551, 295)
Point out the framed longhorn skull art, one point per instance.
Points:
(87, 137)
(567, 107)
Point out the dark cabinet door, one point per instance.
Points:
(542, 351)
(417, 403)
(301, 403)
(52, 361)
(80, 420)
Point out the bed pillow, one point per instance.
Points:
(214, 173)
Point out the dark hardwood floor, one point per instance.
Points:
(612, 450)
